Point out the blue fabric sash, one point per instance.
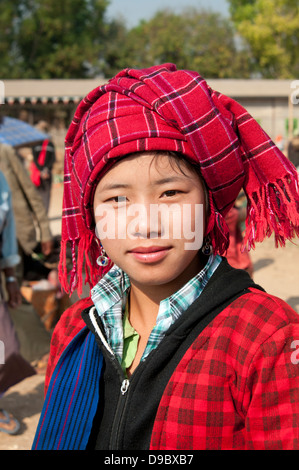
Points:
(72, 398)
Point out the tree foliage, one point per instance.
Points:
(73, 39)
(271, 29)
(194, 39)
(50, 38)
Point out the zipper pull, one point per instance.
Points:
(124, 386)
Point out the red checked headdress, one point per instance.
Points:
(162, 108)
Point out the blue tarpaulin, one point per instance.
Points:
(19, 133)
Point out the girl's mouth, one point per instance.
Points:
(150, 254)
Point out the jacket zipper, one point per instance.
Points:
(120, 413)
(124, 387)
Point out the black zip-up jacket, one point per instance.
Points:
(127, 407)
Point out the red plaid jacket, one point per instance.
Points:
(237, 386)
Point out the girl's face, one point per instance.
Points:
(149, 217)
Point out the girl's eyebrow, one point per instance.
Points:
(109, 187)
(169, 179)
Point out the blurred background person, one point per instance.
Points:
(293, 150)
(14, 368)
(235, 219)
(32, 224)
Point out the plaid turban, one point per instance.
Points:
(162, 108)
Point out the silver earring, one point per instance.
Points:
(207, 248)
(103, 259)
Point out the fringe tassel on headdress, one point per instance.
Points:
(217, 229)
(274, 209)
(83, 253)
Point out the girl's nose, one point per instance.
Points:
(145, 222)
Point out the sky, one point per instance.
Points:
(135, 10)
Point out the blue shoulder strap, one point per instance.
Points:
(72, 398)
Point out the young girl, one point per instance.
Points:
(174, 349)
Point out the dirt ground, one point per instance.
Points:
(277, 270)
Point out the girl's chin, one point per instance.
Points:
(164, 271)
(155, 278)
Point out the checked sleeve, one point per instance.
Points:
(272, 419)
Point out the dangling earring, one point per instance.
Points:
(103, 259)
(207, 248)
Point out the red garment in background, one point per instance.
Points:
(234, 255)
(34, 171)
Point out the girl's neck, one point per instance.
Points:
(145, 300)
(143, 307)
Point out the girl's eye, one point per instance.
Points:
(118, 199)
(171, 192)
